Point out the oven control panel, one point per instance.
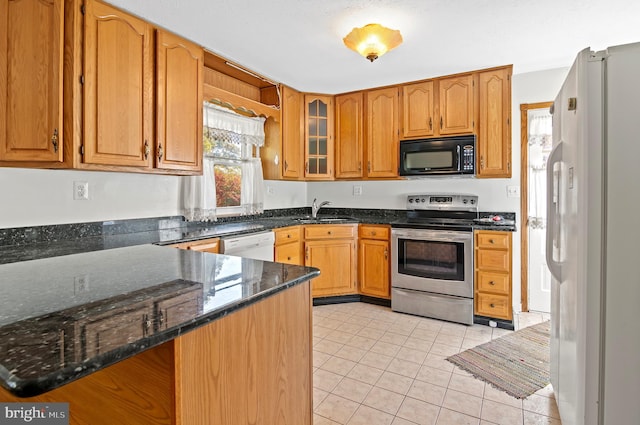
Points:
(441, 201)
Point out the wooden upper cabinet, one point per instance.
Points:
(349, 135)
(456, 105)
(318, 137)
(118, 88)
(418, 110)
(31, 60)
(494, 133)
(179, 79)
(292, 133)
(382, 132)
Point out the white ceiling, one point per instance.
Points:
(299, 42)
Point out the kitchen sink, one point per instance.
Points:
(318, 220)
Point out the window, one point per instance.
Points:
(231, 182)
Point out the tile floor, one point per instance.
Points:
(376, 367)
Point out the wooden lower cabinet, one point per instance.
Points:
(250, 367)
(332, 249)
(204, 245)
(373, 261)
(492, 293)
(288, 245)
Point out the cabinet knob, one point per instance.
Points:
(161, 317)
(289, 236)
(146, 149)
(373, 233)
(329, 232)
(492, 305)
(288, 258)
(54, 140)
(491, 282)
(492, 241)
(160, 152)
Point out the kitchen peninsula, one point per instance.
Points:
(151, 334)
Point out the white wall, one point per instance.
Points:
(285, 194)
(39, 197)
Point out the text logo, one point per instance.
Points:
(34, 413)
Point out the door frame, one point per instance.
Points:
(524, 199)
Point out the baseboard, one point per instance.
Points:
(352, 299)
(500, 323)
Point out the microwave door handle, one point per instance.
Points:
(458, 150)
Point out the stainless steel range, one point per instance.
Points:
(432, 257)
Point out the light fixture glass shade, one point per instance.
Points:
(372, 40)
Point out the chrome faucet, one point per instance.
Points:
(315, 207)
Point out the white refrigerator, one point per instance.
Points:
(593, 239)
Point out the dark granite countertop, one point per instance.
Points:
(65, 317)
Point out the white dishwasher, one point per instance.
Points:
(258, 246)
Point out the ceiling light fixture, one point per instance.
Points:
(372, 40)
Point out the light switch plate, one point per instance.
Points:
(513, 191)
(357, 190)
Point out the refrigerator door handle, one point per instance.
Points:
(553, 208)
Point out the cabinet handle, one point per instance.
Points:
(306, 253)
(491, 282)
(481, 162)
(160, 152)
(306, 167)
(161, 318)
(492, 305)
(54, 140)
(430, 123)
(441, 125)
(359, 165)
(368, 166)
(146, 149)
(286, 165)
(147, 323)
(386, 254)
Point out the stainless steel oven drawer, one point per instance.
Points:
(444, 307)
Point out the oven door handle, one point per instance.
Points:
(438, 235)
(458, 151)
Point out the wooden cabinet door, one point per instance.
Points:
(319, 137)
(417, 110)
(122, 327)
(31, 58)
(349, 137)
(118, 89)
(336, 259)
(179, 76)
(290, 253)
(494, 132)
(292, 133)
(382, 133)
(373, 265)
(173, 311)
(456, 105)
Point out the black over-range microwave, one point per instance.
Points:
(438, 156)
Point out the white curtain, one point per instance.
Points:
(198, 192)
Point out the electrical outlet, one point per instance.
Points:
(81, 283)
(513, 191)
(357, 190)
(80, 191)
(270, 190)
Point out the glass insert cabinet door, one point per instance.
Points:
(318, 137)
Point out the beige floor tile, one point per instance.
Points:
(434, 376)
(316, 340)
(393, 338)
(379, 361)
(501, 414)
(531, 418)
(418, 411)
(394, 382)
(541, 405)
(321, 331)
(328, 347)
(430, 324)
(449, 417)
(426, 334)
(404, 367)
(339, 336)
(412, 355)
(319, 420)
(352, 389)
(438, 362)
(372, 333)
(364, 373)
(402, 330)
(337, 408)
(384, 400)
(325, 380)
(454, 329)
(471, 342)
(443, 350)
(379, 324)
(319, 358)
(418, 344)
(351, 328)
(342, 316)
(466, 384)
(361, 342)
(327, 322)
(338, 365)
(478, 332)
(459, 371)
(498, 332)
(318, 397)
(366, 415)
(499, 396)
(463, 403)
(350, 353)
(427, 392)
(546, 391)
(385, 348)
(455, 341)
(400, 421)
